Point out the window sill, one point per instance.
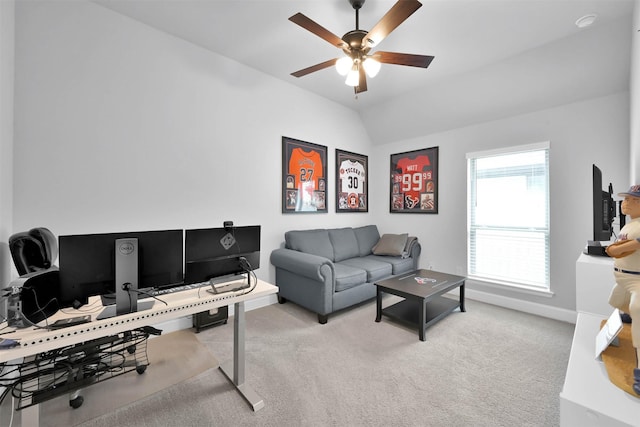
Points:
(515, 287)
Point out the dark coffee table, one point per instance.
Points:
(422, 305)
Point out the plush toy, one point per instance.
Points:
(626, 293)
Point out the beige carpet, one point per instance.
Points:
(488, 367)
(173, 358)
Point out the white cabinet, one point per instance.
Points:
(588, 397)
(594, 281)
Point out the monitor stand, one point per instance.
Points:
(110, 310)
(126, 283)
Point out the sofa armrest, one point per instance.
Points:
(413, 248)
(414, 254)
(304, 264)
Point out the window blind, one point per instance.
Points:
(508, 216)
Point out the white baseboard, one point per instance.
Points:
(186, 322)
(543, 310)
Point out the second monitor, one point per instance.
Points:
(220, 252)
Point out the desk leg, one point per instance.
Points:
(235, 372)
(462, 298)
(422, 318)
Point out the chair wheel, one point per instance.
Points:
(77, 402)
(141, 369)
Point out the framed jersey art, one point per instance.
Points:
(304, 176)
(352, 182)
(414, 181)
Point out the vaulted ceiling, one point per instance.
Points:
(493, 58)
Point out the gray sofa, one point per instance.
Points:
(326, 270)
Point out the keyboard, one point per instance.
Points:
(109, 299)
(164, 291)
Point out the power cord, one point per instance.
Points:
(41, 309)
(127, 287)
(246, 266)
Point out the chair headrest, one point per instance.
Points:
(33, 250)
(49, 242)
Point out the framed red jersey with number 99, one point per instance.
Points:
(414, 181)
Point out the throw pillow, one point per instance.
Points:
(391, 244)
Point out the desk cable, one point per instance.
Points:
(127, 287)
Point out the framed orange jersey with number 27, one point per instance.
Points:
(304, 176)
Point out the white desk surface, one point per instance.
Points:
(587, 383)
(33, 340)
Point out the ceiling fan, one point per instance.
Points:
(356, 44)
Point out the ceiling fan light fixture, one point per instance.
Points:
(356, 45)
(371, 67)
(343, 65)
(353, 78)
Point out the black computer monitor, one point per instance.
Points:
(604, 208)
(87, 263)
(219, 252)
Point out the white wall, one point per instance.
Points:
(121, 127)
(634, 157)
(594, 131)
(6, 137)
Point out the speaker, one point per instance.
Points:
(595, 248)
(33, 297)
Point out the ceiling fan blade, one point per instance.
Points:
(422, 61)
(398, 13)
(313, 68)
(317, 29)
(362, 83)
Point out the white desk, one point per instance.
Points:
(185, 303)
(588, 397)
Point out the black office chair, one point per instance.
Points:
(33, 253)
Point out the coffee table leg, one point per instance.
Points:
(462, 297)
(378, 305)
(423, 320)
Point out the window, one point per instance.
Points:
(508, 216)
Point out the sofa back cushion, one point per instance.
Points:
(345, 244)
(367, 237)
(314, 242)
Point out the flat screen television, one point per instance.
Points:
(87, 263)
(604, 208)
(217, 252)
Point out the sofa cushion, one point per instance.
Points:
(314, 242)
(391, 244)
(399, 265)
(376, 269)
(367, 237)
(348, 277)
(344, 243)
